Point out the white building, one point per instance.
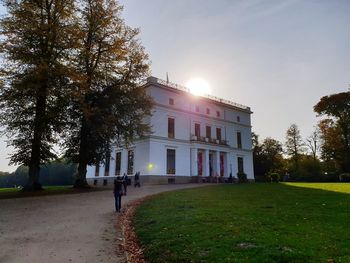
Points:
(192, 136)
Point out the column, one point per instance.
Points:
(124, 162)
(206, 171)
(228, 164)
(194, 162)
(112, 163)
(217, 163)
(102, 169)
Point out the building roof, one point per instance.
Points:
(174, 86)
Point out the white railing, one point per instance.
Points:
(211, 97)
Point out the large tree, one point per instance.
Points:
(108, 104)
(332, 146)
(294, 145)
(272, 149)
(337, 107)
(267, 156)
(34, 46)
(313, 142)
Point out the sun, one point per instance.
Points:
(198, 86)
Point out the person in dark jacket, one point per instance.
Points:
(118, 192)
(125, 182)
(137, 180)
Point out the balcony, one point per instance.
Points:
(195, 138)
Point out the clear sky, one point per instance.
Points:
(278, 57)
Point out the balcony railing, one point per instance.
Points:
(208, 140)
(185, 89)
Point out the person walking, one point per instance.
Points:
(230, 179)
(125, 182)
(118, 192)
(137, 180)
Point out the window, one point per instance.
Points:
(240, 165)
(218, 134)
(170, 161)
(97, 170)
(197, 108)
(104, 182)
(171, 101)
(239, 140)
(208, 132)
(171, 128)
(118, 161)
(218, 114)
(197, 130)
(130, 162)
(208, 111)
(95, 182)
(108, 158)
(238, 119)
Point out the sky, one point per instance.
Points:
(277, 57)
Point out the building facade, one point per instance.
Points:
(192, 136)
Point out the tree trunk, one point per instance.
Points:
(39, 128)
(34, 169)
(80, 180)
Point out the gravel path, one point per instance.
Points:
(65, 228)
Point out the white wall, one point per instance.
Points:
(141, 157)
(159, 122)
(247, 163)
(158, 157)
(231, 115)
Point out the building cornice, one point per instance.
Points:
(173, 87)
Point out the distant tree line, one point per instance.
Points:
(58, 172)
(322, 156)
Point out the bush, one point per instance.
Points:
(274, 177)
(242, 177)
(260, 178)
(345, 177)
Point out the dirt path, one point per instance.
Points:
(65, 228)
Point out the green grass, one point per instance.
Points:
(335, 187)
(247, 223)
(9, 190)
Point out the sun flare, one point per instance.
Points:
(198, 86)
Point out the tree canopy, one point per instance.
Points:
(267, 156)
(294, 145)
(108, 103)
(71, 75)
(337, 108)
(34, 45)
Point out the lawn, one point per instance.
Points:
(247, 223)
(335, 187)
(9, 190)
